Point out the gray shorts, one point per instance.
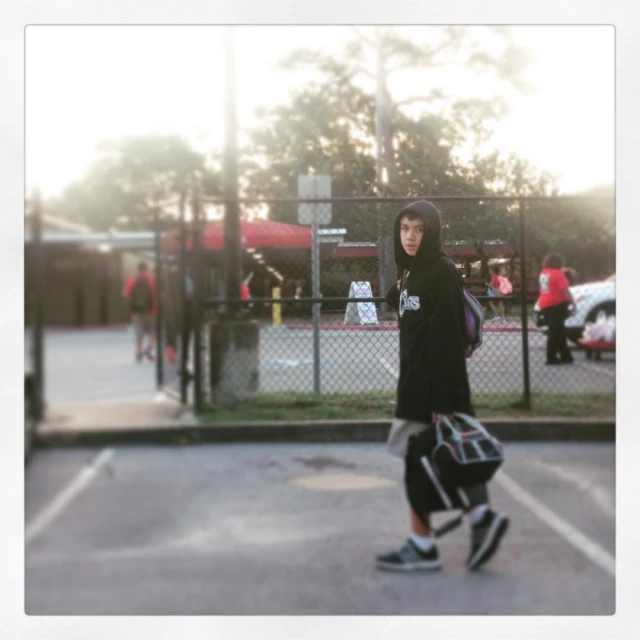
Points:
(142, 324)
(399, 434)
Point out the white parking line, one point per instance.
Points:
(64, 498)
(388, 367)
(582, 543)
(601, 498)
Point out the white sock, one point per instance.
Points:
(477, 513)
(424, 543)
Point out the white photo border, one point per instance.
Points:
(621, 15)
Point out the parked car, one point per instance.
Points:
(591, 298)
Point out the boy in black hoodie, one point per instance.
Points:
(433, 380)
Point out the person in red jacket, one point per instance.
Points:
(140, 291)
(556, 303)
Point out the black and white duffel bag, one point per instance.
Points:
(465, 452)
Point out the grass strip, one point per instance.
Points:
(372, 406)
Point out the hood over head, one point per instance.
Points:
(431, 245)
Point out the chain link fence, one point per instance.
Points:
(326, 334)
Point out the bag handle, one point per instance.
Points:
(468, 420)
(473, 422)
(442, 420)
(450, 525)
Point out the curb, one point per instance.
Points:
(516, 430)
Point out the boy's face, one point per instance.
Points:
(411, 232)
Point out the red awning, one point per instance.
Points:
(262, 234)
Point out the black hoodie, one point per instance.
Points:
(433, 370)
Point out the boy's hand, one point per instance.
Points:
(398, 284)
(434, 416)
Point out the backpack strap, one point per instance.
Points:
(450, 525)
(403, 280)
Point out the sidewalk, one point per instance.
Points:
(168, 423)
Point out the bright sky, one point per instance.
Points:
(88, 83)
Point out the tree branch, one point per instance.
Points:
(433, 96)
(411, 65)
(360, 69)
(362, 37)
(414, 55)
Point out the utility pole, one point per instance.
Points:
(197, 231)
(232, 247)
(234, 341)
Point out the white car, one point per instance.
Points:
(590, 299)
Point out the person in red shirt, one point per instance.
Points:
(493, 290)
(140, 291)
(245, 294)
(556, 303)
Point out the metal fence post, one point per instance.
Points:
(185, 320)
(523, 307)
(315, 284)
(159, 306)
(38, 312)
(197, 298)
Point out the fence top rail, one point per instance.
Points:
(379, 200)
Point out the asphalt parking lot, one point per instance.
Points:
(353, 360)
(293, 529)
(99, 366)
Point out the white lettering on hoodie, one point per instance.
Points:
(408, 303)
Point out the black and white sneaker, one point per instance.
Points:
(410, 558)
(485, 537)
